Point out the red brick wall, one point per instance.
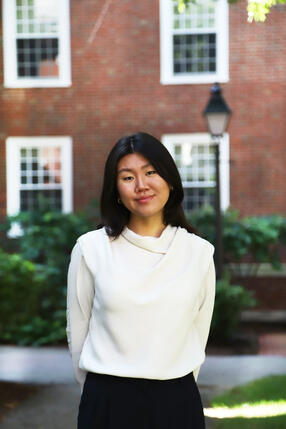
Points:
(270, 292)
(257, 93)
(116, 91)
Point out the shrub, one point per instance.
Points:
(229, 302)
(33, 282)
(19, 293)
(252, 239)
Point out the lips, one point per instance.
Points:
(145, 199)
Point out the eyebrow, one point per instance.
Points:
(122, 170)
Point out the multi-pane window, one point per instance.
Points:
(194, 51)
(41, 176)
(36, 42)
(194, 46)
(196, 165)
(194, 155)
(38, 170)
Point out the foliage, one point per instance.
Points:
(251, 239)
(267, 393)
(21, 288)
(257, 10)
(33, 282)
(48, 236)
(229, 302)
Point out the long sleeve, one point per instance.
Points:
(80, 294)
(204, 317)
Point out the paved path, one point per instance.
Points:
(56, 403)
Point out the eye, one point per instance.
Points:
(127, 178)
(151, 172)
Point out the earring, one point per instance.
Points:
(119, 200)
(171, 188)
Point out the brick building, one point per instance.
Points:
(78, 75)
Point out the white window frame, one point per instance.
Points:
(166, 49)
(11, 80)
(170, 140)
(13, 148)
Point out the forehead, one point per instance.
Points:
(132, 161)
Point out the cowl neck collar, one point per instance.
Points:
(152, 244)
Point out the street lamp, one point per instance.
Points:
(217, 115)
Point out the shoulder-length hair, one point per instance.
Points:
(114, 215)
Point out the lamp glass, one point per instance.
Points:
(217, 123)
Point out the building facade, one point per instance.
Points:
(78, 75)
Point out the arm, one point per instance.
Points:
(204, 317)
(80, 294)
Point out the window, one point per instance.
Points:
(38, 167)
(36, 43)
(194, 44)
(194, 155)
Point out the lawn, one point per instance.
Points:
(260, 404)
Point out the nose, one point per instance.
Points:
(141, 183)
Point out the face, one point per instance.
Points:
(142, 191)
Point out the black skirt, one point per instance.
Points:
(111, 402)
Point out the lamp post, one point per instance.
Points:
(217, 115)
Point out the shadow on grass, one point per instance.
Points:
(258, 404)
(272, 388)
(273, 422)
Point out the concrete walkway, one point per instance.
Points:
(56, 403)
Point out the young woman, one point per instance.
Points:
(140, 298)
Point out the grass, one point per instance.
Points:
(260, 404)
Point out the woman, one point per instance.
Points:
(140, 298)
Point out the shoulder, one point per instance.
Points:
(196, 241)
(94, 246)
(92, 236)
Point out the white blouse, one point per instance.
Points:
(140, 306)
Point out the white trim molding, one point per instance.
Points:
(220, 28)
(13, 169)
(187, 140)
(62, 77)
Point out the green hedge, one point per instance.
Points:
(230, 300)
(25, 302)
(254, 239)
(33, 280)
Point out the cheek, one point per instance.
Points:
(165, 190)
(120, 190)
(123, 191)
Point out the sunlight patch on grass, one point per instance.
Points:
(253, 410)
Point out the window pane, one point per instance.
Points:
(41, 166)
(198, 197)
(38, 15)
(194, 53)
(37, 57)
(200, 14)
(196, 164)
(30, 199)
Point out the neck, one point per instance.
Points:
(146, 227)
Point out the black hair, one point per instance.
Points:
(114, 215)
